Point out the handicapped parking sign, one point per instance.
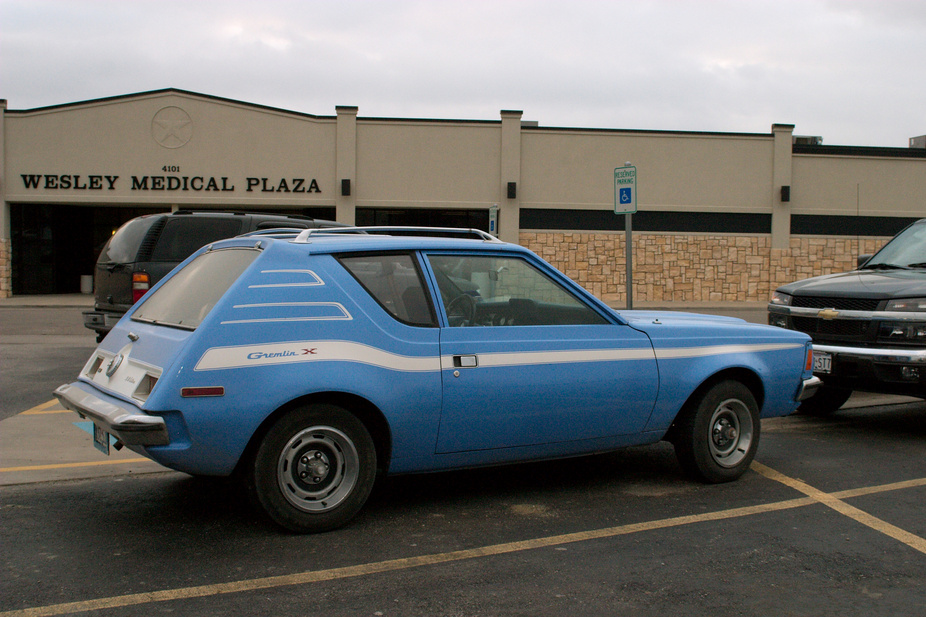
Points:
(625, 190)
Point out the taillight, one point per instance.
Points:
(140, 284)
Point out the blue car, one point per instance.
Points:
(311, 363)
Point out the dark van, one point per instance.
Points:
(146, 248)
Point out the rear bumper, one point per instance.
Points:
(123, 422)
(101, 321)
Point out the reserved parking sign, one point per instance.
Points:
(625, 190)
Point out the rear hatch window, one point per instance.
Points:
(187, 297)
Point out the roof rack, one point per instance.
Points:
(305, 237)
(276, 232)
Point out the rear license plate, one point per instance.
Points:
(822, 362)
(100, 439)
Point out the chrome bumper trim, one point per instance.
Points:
(129, 427)
(890, 356)
(808, 388)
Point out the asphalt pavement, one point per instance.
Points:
(828, 521)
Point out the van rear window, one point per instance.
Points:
(185, 299)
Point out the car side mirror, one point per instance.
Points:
(862, 259)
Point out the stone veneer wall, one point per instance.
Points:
(6, 271)
(694, 268)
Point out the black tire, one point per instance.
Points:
(717, 435)
(314, 469)
(825, 402)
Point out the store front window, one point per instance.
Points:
(423, 217)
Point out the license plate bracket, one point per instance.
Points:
(822, 362)
(100, 439)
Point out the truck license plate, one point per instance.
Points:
(100, 439)
(822, 362)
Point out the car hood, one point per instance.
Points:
(637, 318)
(862, 283)
(695, 329)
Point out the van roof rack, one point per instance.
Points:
(305, 236)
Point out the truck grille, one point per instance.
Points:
(840, 304)
(836, 327)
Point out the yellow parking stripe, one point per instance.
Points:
(43, 409)
(827, 499)
(69, 465)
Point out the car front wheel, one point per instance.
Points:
(717, 436)
(314, 469)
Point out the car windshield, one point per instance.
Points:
(906, 250)
(187, 297)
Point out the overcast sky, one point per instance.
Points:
(851, 71)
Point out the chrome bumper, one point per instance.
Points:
(808, 388)
(888, 356)
(128, 426)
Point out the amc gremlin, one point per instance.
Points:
(312, 363)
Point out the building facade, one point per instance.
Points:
(721, 216)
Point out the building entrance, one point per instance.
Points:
(54, 245)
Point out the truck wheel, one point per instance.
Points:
(314, 469)
(717, 435)
(825, 402)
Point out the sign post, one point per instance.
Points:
(625, 202)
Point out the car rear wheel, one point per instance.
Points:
(825, 402)
(717, 436)
(314, 469)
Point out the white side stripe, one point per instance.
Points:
(311, 351)
(675, 353)
(529, 358)
(348, 351)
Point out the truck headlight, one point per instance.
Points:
(911, 331)
(783, 299)
(907, 304)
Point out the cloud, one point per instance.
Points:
(849, 70)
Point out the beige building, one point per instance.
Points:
(720, 216)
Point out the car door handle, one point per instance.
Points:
(465, 362)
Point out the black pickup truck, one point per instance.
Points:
(868, 326)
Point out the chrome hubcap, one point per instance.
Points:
(731, 433)
(318, 469)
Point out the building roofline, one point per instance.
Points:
(162, 92)
(872, 151)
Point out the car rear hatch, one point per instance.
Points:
(160, 326)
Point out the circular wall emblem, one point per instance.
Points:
(172, 127)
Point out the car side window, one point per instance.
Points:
(182, 237)
(395, 283)
(488, 290)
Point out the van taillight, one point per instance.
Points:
(139, 285)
